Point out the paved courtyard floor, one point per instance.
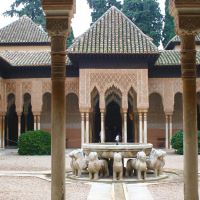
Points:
(22, 178)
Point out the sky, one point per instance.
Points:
(80, 23)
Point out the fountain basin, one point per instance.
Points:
(107, 150)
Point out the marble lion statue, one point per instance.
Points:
(117, 167)
(94, 166)
(156, 161)
(104, 171)
(78, 162)
(137, 164)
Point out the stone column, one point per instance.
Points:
(167, 132)
(188, 58)
(170, 130)
(145, 127)
(102, 127)
(82, 128)
(3, 131)
(87, 128)
(35, 122)
(57, 28)
(140, 128)
(125, 127)
(19, 124)
(38, 123)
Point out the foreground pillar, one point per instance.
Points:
(57, 29)
(102, 127)
(38, 122)
(188, 59)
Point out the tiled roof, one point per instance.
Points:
(24, 58)
(113, 33)
(24, 30)
(176, 40)
(172, 58)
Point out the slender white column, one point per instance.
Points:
(19, 125)
(166, 132)
(170, 130)
(3, 131)
(145, 127)
(87, 127)
(35, 122)
(125, 127)
(102, 128)
(140, 128)
(38, 122)
(82, 128)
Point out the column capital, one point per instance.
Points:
(186, 15)
(57, 26)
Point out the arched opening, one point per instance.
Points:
(27, 119)
(73, 121)
(156, 121)
(132, 117)
(113, 117)
(96, 116)
(177, 119)
(11, 122)
(46, 112)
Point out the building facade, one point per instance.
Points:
(117, 83)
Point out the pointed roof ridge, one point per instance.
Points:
(23, 30)
(176, 40)
(129, 37)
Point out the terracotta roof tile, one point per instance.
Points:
(24, 58)
(176, 41)
(24, 30)
(113, 33)
(172, 58)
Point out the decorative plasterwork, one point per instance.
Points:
(10, 87)
(57, 26)
(121, 79)
(26, 87)
(46, 86)
(187, 16)
(72, 86)
(167, 89)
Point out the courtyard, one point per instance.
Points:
(24, 177)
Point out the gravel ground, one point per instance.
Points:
(11, 161)
(30, 188)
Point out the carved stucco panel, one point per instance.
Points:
(103, 80)
(72, 86)
(143, 91)
(167, 88)
(10, 87)
(26, 87)
(46, 86)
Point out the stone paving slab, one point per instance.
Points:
(100, 191)
(138, 192)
